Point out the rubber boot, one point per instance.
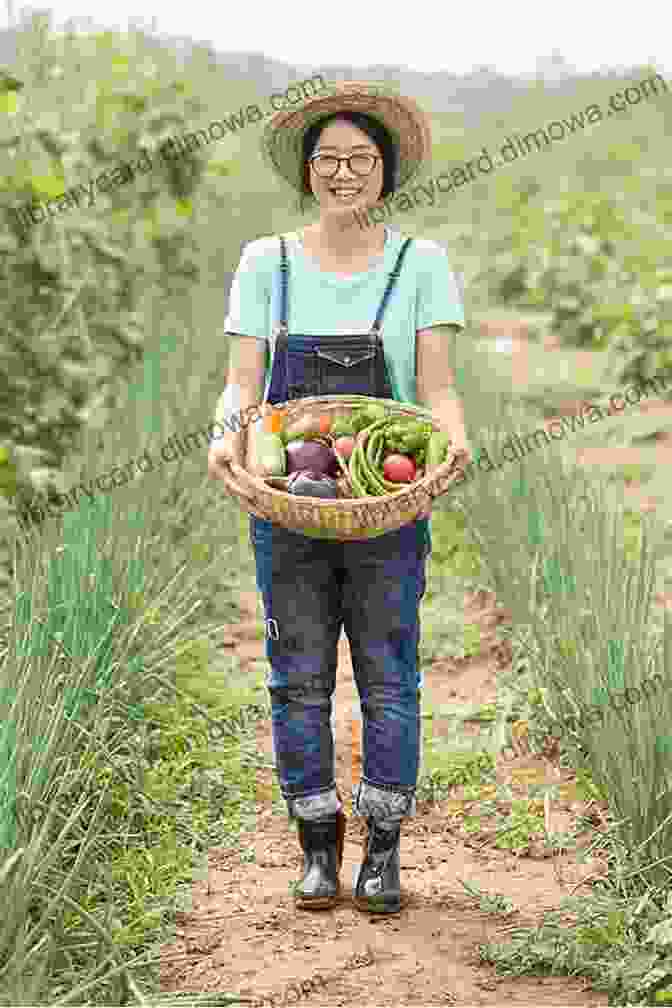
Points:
(322, 844)
(378, 887)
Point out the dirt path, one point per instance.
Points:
(244, 935)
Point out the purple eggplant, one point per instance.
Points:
(313, 456)
(307, 483)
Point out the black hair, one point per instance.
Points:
(374, 129)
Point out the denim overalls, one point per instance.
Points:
(313, 587)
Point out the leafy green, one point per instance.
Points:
(343, 426)
(364, 416)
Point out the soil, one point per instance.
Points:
(243, 934)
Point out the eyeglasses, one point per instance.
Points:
(326, 165)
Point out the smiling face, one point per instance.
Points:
(346, 190)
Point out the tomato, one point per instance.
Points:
(344, 446)
(324, 424)
(399, 469)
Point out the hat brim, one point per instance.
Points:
(282, 138)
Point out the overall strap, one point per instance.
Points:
(281, 329)
(284, 281)
(394, 276)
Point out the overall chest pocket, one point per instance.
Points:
(335, 369)
(347, 370)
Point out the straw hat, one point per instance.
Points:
(282, 138)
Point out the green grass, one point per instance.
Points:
(621, 946)
(198, 790)
(444, 768)
(491, 903)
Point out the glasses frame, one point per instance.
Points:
(348, 158)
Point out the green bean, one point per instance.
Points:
(365, 476)
(357, 484)
(374, 477)
(372, 446)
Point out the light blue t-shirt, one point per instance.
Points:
(321, 303)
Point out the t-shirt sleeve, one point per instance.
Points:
(439, 298)
(249, 300)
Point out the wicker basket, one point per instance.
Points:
(341, 519)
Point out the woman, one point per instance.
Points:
(348, 150)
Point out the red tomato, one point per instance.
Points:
(324, 424)
(399, 469)
(344, 446)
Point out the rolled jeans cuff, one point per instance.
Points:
(385, 805)
(326, 803)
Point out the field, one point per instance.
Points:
(146, 855)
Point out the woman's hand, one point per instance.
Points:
(230, 448)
